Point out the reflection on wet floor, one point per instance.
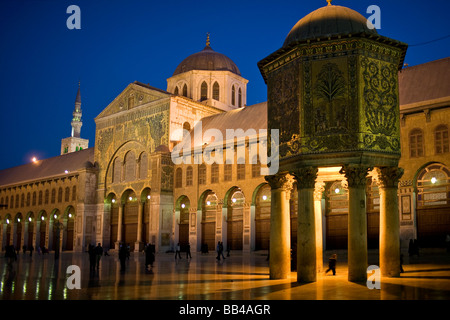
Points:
(239, 277)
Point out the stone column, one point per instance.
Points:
(388, 178)
(119, 226)
(279, 251)
(306, 230)
(318, 191)
(357, 221)
(138, 246)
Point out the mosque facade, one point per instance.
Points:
(357, 132)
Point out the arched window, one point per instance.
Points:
(130, 166)
(12, 201)
(228, 172)
(178, 178)
(28, 199)
(240, 98)
(53, 195)
(441, 139)
(186, 128)
(67, 195)
(176, 91)
(204, 91)
(47, 196)
(241, 171)
(185, 90)
(117, 165)
(74, 193)
(60, 195)
(189, 175)
(256, 168)
(143, 166)
(17, 201)
(34, 198)
(216, 91)
(22, 200)
(416, 143)
(214, 173)
(202, 174)
(40, 198)
(233, 95)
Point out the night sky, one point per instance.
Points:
(41, 60)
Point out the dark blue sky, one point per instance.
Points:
(41, 60)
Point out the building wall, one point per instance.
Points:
(72, 193)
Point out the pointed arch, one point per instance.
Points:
(203, 91)
(216, 91)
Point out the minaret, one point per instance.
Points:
(75, 142)
(76, 120)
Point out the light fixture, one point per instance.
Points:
(264, 197)
(234, 200)
(433, 180)
(337, 190)
(55, 216)
(70, 215)
(130, 198)
(66, 171)
(148, 197)
(34, 159)
(208, 203)
(42, 218)
(183, 205)
(18, 219)
(29, 219)
(7, 221)
(113, 200)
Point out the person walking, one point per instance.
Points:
(122, 256)
(332, 264)
(98, 253)
(178, 251)
(31, 250)
(149, 256)
(92, 258)
(188, 251)
(220, 250)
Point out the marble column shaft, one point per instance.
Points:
(357, 221)
(139, 224)
(318, 191)
(388, 178)
(306, 232)
(120, 223)
(280, 235)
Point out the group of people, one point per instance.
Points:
(187, 248)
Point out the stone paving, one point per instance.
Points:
(238, 277)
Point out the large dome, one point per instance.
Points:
(207, 59)
(328, 21)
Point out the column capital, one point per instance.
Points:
(280, 181)
(388, 177)
(356, 174)
(319, 187)
(305, 177)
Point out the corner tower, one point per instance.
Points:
(75, 142)
(210, 77)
